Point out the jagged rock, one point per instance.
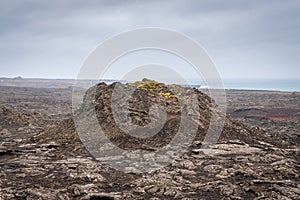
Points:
(246, 163)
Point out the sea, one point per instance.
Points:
(290, 85)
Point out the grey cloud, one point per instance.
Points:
(237, 34)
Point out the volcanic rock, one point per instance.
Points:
(54, 164)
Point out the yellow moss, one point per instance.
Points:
(147, 84)
(168, 95)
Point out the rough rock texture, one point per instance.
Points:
(53, 164)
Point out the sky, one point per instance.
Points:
(245, 39)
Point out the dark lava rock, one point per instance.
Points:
(99, 98)
(16, 120)
(54, 164)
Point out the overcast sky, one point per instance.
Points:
(245, 39)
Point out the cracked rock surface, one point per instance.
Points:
(43, 157)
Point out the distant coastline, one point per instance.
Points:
(287, 85)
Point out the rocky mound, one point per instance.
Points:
(147, 93)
